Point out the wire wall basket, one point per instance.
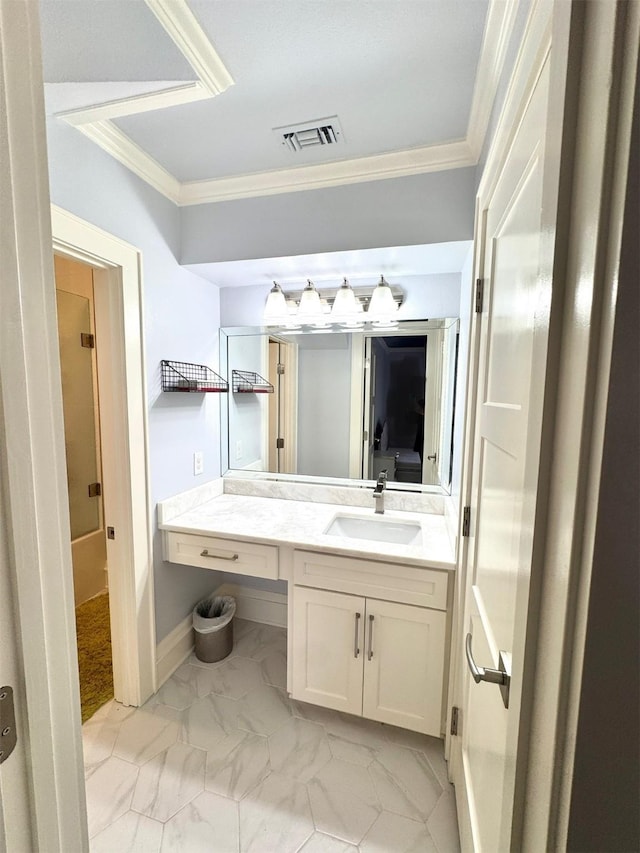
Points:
(247, 382)
(183, 376)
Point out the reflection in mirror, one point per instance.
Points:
(345, 404)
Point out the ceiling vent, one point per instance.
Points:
(310, 134)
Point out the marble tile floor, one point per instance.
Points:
(221, 759)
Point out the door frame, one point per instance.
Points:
(601, 38)
(123, 421)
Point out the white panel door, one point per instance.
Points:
(404, 662)
(328, 648)
(506, 454)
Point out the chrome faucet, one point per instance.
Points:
(378, 492)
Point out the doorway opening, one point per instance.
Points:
(78, 347)
(408, 395)
(115, 268)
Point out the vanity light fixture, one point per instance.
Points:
(276, 310)
(382, 307)
(310, 309)
(340, 306)
(346, 309)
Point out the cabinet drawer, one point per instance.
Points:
(386, 581)
(227, 555)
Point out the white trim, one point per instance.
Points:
(118, 303)
(497, 32)
(183, 28)
(396, 164)
(34, 527)
(173, 650)
(136, 104)
(112, 140)
(591, 231)
(535, 44)
(356, 410)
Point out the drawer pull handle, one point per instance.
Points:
(370, 654)
(356, 650)
(206, 553)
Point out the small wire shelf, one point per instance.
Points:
(183, 376)
(247, 382)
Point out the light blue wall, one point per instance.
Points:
(181, 320)
(437, 207)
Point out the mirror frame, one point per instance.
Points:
(403, 328)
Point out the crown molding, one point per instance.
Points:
(497, 32)
(188, 36)
(396, 164)
(119, 145)
(183, 28)
(135, 104)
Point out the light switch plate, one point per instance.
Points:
(198, 463)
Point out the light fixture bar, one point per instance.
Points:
(362, 293)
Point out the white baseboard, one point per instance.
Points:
(173, 650)
(255, 605)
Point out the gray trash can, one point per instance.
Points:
(213, 627)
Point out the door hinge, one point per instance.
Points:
(479, 295)
(466, 520)
(279, 443)
(455, 720)
(111, 533)
(280, 369)
(87, 340)
(95, 490)
(8, 733)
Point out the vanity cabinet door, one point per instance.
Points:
(404, 665)
(328, 649)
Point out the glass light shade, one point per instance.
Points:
(310, 309)
(276, 311)
(346, 308)
(382, 307)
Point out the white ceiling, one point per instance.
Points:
(97, 41)
(399, 74)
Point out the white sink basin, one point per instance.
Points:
(375, 529)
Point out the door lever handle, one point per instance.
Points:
(501, 676)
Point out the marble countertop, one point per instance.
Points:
(302, 524)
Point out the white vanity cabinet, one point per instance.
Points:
(376, 657)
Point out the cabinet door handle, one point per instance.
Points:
(356, 650)
(370, 652)
(205, 553)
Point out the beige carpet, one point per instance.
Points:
(94, 654)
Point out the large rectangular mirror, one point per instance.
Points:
(343, 405)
